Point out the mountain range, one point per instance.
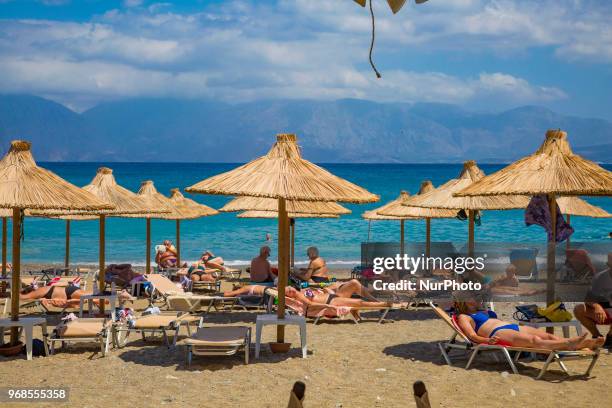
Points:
(345, 130)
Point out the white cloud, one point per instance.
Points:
(244, 50)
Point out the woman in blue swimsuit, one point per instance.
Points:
(484, 327)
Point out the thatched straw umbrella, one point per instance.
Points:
(553, 170)
(372, 215)
(403, 210)
(24, 185)
(189, 210)
(160, 207)
(578, 207)
(443, 197)
(105, 187)
(283, 174)
(309, 209)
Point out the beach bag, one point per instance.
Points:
(528, 313)
(556, 312)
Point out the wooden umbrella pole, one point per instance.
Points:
(102, 258)
(15, 283)
(550, 260)
(178, 243)
(471, 233)
(148, 256)
(550, 256)
(67, 256)
(427, 239)
(402, 238)
(283, 263)
(292, 229)
(567, 244)
(4, 221)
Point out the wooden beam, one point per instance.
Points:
(67, 256)
(402, 238)
(102, 257)
(178, 243)
(148, 252)
(16, 283)
(283, 265)
(471, 216)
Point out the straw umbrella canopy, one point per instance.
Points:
(575, 206)
(310, 209)
(443, 197)
(125, 202)
(403, 209)
(283, 174)
(161, 208)
(373, 215)
(555, 170)
(189, 210)
(24, 185)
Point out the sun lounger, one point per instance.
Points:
(163, 287)
(157, 324)
(525, 262)
(83, 330)
(219, 341)
(459, 341)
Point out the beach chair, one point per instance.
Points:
(163, 287)
(83, 330)
(578, 265)
(459, 341)
(219, 341)
(525, 262)
(162, 323)
(192, 303)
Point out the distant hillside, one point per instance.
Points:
(338, 131)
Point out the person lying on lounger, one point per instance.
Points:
(166, 257)
(484, 327)
(210, 261)
(508, 284)
(317, 270)
(61, 294)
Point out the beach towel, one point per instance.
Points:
(538, 213)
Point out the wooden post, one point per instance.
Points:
(471, 233)
(551, 274)
(102, 258)
(292, 230)
(148, 261)
(402, 238)
(567, 244)
(420, 395)
(428, 239)
(4, 221)
(67, 256)
(178, 243)
(369, 229)
(283, 265)
(15, 283)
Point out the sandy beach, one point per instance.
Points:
(349, 365)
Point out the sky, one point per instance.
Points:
(487, 55)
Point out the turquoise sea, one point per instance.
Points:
(239, 239)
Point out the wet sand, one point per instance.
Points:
(364, 365)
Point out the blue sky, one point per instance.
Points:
(481, 54)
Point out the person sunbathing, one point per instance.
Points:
(484, 327)
(166, 257)
(250, 290)
(317, 296)
(317, 270)
(508, 284)
(61, 294)
(210, 261)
